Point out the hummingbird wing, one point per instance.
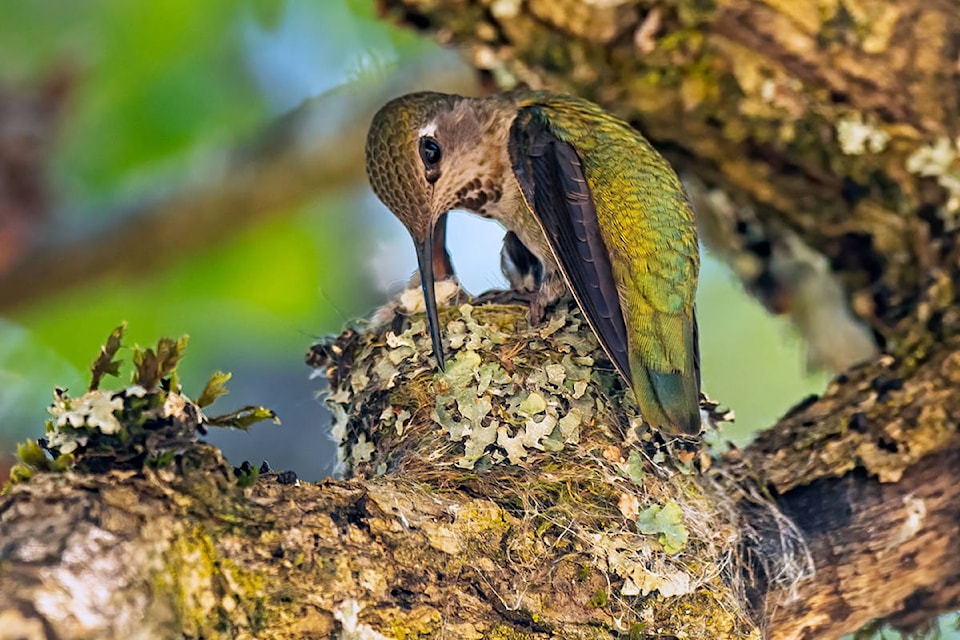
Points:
(553, 183)
(648, 294)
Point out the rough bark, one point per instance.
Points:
(819, 142)
(294, 561)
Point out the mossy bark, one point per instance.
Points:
(556, 545)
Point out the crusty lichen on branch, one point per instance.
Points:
(145, 423)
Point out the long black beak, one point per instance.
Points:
(425, 256)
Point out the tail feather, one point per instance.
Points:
(670, 402)
(666, 379)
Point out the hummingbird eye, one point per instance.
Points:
(430, 152)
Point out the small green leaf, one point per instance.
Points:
(216, 388)
(635, 467)
(246, 477)
(161, 460)
(153, 366)
(599, 599)
(20, 473)
(30, 453)
(63, 462)
(105, 364)
(667, 521)
(244, 418)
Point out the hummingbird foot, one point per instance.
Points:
(522, 269)
(505, 296)
(551, 290)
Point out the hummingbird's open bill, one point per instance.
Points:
(585, 194)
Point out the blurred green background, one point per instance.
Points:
(162, 98)
(161, 102)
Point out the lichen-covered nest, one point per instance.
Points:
(536, 418)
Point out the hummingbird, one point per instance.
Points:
(588, 205)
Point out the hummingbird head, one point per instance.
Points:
(429, 153)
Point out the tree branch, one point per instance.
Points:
(881, 551)
(820, 140)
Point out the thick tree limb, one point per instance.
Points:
(544, 548)
(288, 560)
(882, 551)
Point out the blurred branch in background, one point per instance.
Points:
(29, 119)
(292, 161)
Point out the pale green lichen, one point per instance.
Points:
(857, 137)
(641, 571)
(939, 160)
(363, 449)
(634, 468)
(497, 415)
(483, 400)
(94, 410)
(667, 522)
